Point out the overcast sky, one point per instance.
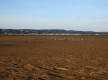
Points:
(85, 15)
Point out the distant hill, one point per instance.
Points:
(46, 31)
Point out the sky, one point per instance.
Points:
(84, 15)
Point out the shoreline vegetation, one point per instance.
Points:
(48, 32)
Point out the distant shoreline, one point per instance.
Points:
(48, 32)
